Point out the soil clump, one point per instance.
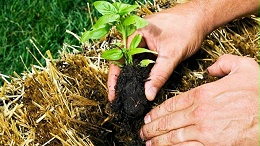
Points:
(130, 95)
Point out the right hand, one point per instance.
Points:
(176, 34)
(208, 114)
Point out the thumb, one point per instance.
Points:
(225, 65)
(113, 74)
(159, 74)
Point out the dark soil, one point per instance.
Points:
(130, 105)
(130, 96)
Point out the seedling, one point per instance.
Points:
(121, 16)
(130, 97)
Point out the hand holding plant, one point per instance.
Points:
(130, 86)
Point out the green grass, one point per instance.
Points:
(45, 22)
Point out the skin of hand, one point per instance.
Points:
(159, 36)
(224, 112)
(177, 33)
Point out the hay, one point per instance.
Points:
(64, 103)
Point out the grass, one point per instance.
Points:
(43, 21)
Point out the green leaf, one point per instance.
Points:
(120, 28)
(129, 20)
(104, 7)
(85, 37)
(136, 20)
(140, 22)
(100, 32)
(130, 30)
(112, 54)
(139, 51)
(136, 41)
(124, 9)
(105, 19)
(129, 59)
(146, 62)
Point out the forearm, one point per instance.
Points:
(208, 15)
(220, 12)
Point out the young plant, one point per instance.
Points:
(130, 95)
(121, 16)
(127, 53)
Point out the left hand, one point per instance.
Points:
(224, 112)
(157, 37)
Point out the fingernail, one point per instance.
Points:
(151, 93)
(147, 119)
(148, 143)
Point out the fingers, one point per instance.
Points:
(113, 74)
(174, 137)
(228, 64)
(159, 74)
(171, 105)
(165, 62)
(165, 124)
(224, 65)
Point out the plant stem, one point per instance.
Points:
(124, 36)
(123, 31)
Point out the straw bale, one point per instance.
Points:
(64, 103)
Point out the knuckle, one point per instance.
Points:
(203, 129)
(186, 101)
(200, 112)
(161, 77)
(170, 105)
(201, 92)
(163, 124)
(171, 136)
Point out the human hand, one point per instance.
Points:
(175, 34)
(224, 112)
